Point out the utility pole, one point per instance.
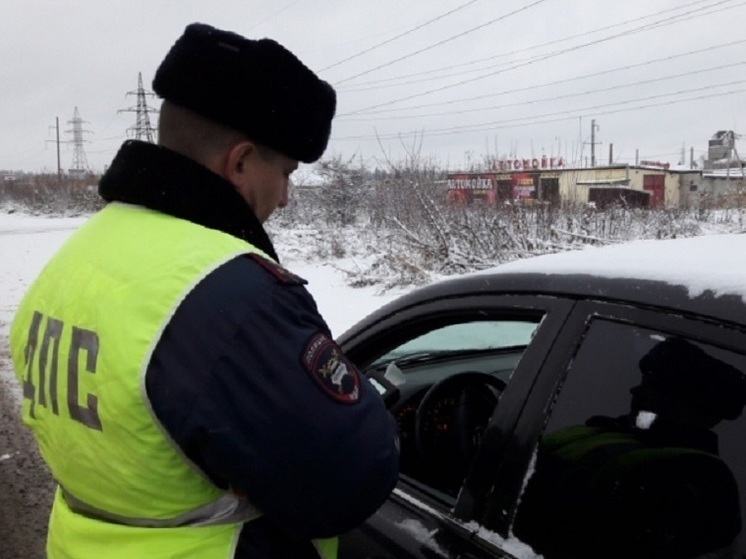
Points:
(80, 161)
(593, 142)
(59, 165)
(594, 127)
(142, 130)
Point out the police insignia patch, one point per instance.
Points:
(331, 370)
(282, 275)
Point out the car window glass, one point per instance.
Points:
(469, 336)
(644, 453)
(454, 375)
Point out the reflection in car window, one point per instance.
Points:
(466, 337)
(643, 455)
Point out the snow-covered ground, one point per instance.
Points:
(27, 242)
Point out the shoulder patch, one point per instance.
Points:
(280, 274)
(331, 370)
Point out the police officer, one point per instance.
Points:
(184, 391)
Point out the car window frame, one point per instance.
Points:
(501, 504)
(360, 346)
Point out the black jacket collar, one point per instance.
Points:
(160, 179)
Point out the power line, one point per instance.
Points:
(536, 59)
(439, 43)
(377, 83)
(556, 116)
(555, 82)
(273, 15)
(392, 39)
(602, 106)
(664, 22)
(554, 97)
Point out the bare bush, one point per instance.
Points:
(47, 194)
(414, 233)
(340, 193)
(393, 226)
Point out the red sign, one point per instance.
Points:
(655, 164)
(529, 164)
(469, 188)
(523, 186)
(471, 182)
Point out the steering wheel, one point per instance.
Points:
(450, 421)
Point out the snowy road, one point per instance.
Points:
(26, 243)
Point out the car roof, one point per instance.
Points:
(708, 262)
(703, 275)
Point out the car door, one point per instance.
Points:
(631, 442)
(436, 343)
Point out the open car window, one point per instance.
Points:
(455, 369)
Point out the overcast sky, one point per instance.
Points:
(451, 80)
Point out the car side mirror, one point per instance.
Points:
(387, 382)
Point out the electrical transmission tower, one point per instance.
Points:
(80, 161)
(142, 130)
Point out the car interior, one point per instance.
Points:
(453, 376)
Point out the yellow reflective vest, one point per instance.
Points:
(81, 342)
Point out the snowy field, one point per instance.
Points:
(27, 242)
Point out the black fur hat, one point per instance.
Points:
(679, 371)
(257, 87)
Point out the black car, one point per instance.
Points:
(582, 404)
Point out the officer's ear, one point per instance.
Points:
(235, 163)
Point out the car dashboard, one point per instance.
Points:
(443, 407)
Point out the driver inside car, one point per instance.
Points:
(648, 484)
